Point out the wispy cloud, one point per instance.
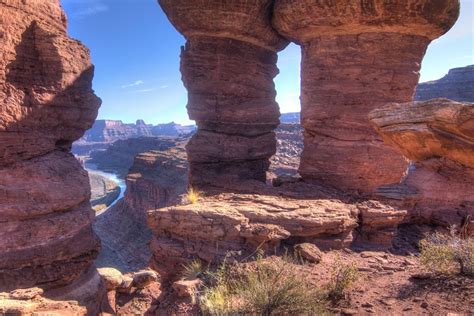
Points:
(143, 90)
(86, 8)
(164, 86)
(133, 84)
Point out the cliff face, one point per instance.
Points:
(46, 103)
(457, 85)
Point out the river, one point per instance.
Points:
(90, 167)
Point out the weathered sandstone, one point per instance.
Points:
(357, 56)
(457, 85)
(46, 103)
(438, 135)
(228, 66)
(236, 225)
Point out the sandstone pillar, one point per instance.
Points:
(357, 56)
(228, 66)
(46, 102)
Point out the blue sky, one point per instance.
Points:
(136, 54)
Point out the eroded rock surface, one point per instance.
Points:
(46, 103)
(235, 225)
(228, 66)
(357, 56)
(438, 135)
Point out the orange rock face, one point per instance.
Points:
(357, 56)
(46, 102)
(439, 136)
(228, 66)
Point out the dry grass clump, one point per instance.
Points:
(193, 270)
(193, 195)
(267, 288)
(343, 276)
(448, 254)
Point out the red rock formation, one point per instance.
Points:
(357, 56)
(236, 225)
(439, 136)
(228, 66)
(46, 102)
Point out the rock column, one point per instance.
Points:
(357, 56)
(46, 103)
(228, 65)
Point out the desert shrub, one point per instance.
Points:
(343, 275)
(193, 195)
(192, 270)
(447, 254)
(267, 288)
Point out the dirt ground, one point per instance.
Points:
(388, 282)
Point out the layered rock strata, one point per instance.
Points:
(438, 135)
(457, 85)
(228, 66)
(46, 103)
(357, 56)
(237, 225)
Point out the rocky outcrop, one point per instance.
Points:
(357, 56)
(157, 179)
(228, 66)
(457, 85)
(236, 225)
(119, 156)
(46, 103)
(31, 302)
(438, 135)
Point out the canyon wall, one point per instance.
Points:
(46, 103)
(357, 56)
(228, 65)
(457, 85)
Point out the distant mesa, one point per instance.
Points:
(457, 85)
(111, 130)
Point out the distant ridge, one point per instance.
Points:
(457, 85)
(112, 130)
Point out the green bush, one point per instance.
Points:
(447, 254)
(268, 288)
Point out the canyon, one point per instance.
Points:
(363, 177)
